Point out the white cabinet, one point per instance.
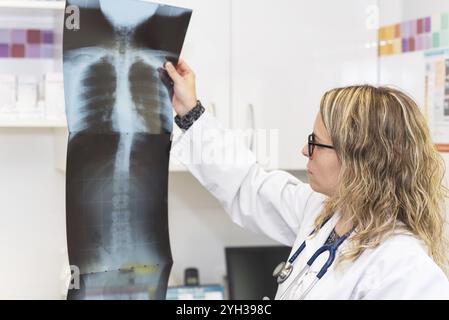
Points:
(206, 50)
(285, 55)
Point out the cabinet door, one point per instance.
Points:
(206, 50)
(285, 55)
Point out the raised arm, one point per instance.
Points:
(275, 204)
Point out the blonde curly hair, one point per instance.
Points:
(392, 176)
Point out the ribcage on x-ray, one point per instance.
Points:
(147, 96)
(112, 93)
(99, 95)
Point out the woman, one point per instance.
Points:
(375, 193)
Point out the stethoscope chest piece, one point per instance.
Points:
(283, 271)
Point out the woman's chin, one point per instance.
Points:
(312, 185)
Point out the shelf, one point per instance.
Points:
(176, 167)
(29, 4)
(33, 124)
(60, 140)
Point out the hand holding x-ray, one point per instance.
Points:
(184, 87)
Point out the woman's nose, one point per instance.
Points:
(305, 151)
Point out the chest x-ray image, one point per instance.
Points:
(119, 113)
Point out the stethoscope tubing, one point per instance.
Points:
(299, 279)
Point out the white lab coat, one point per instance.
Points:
(284, 208)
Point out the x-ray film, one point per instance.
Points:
(119, 113)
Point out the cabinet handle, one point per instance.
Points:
(252, 113)
(213, 109)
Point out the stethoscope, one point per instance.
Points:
(285, 269)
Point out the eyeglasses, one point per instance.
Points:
(312, 144)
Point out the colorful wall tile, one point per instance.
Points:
(420, 26)
(413, 28)
(4, 50)
(404, 45)
(404, 30)
(33, 36)
(18, 51)
(397, 46)
(397, 31)
(436, 40)
(414, 35)
(47, 37)
(419, 45)
(47, 51)
(444, 21)
(427, 25)
(436, 23)
(428, 43)
(26, 43)
(19, 36)
(33, 51)
(444, 38)
(5, 36)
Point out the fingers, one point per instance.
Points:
(172, 72)
(184, 68)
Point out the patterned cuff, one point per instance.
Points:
(189, 119)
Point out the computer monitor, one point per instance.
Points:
(202, 292)
(250, 271)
